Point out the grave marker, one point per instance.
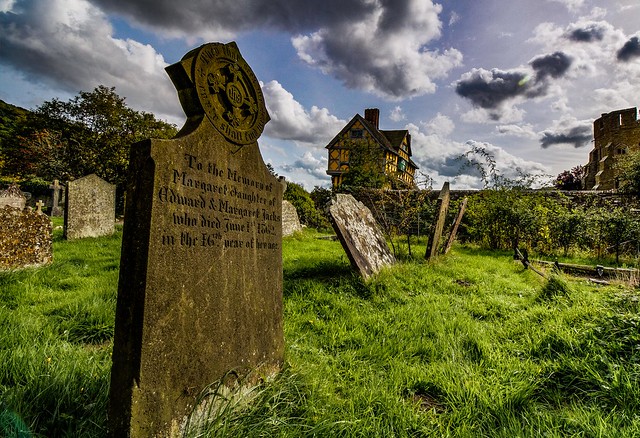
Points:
(200, 290)
(442, 205)
(25, 238)
(91, 208)
(56, 210)
(360, 235)
(290, 220)
(13, 197)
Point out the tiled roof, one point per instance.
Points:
(390, 140)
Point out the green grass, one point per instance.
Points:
(468, 345)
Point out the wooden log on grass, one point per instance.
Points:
(596, 271)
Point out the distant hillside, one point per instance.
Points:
(11, 117)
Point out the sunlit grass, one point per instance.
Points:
(470, 344)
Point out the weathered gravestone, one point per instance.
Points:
(442, 205)
(56, 188)
(13, 197)
(200, 290)
(91, 208)
(360, 235)
(290, 219)
(25, 238)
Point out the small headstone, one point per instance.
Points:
(360, 235)
(91, 208)
(39, 206)
(200, 290)
(56, 210)
(290, 220)
(442, 205)
(13, 197)
(25, 238)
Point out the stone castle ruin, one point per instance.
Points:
(616, 134)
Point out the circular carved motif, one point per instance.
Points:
(230, 93)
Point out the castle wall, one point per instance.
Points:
(615, 134)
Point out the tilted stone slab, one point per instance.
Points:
(360, 235)
(200, 289)
(25, 238)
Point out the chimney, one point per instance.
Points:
(372, 115)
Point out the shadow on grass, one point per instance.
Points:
(322, 271)
(334, 276)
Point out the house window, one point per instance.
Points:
(357, 133)
(402, 165)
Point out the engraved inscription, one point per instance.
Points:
(219, 207)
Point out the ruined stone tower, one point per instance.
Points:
(615, 134)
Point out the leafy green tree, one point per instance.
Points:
(11, 120)
(506, 218)
(567, 227)
(90, 133)
(100, 128)
(366, 166)
(571, 179)
(629, 176)
(304, 205)
(609, 229)
(619, 227)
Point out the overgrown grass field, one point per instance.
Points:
(469, 345)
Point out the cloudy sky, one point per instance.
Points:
(522, 79)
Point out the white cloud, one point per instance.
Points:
(503, 113)
(523, 131)
(440, 125)
(6, 5)
(397, 114)
(383, 52)
(291, 121)
(453, 18)
(439, 157)
(572, 5)
(69, 44)
(309, 164)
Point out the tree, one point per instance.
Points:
(366, 166)
(567, 227)
(304, 205)
(629, 176)
(571, 179)
(91, 133)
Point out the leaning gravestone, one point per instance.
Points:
(91, 208)
(360, 235)
(13, 197)
(290, 219)
(442, 205)
(25, 238)
(456, 224)
(200, 290)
